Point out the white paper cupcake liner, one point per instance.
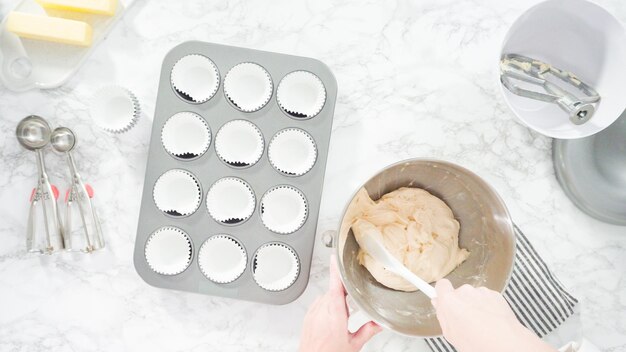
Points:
(168, 251)
(292, 152)
(186, 135)
(230, 201)
(195, 78)
(114, 109)
(239, 143)
(222, 259)
(248, 86)
(301, 94)
(275, 266)
(283, 209)
(177, 193)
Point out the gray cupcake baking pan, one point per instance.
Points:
(235, 172)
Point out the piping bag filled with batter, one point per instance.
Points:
(416, 227)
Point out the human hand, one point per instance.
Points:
(479, 319)
(326, 323)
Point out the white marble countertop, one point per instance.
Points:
(416, 78)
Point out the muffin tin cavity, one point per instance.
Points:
(284, 209)
(239, 143)
(292, 152)
(275, 266)
(230, 201)
(248, 86)
(231, 129)
(186, 136)
(177, 193)
(301, 94)
(168, 251)
(222, 259)
(195, 78)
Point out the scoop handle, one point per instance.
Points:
(49, 195)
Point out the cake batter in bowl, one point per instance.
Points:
(486, 231)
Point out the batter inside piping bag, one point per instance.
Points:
(416, 227)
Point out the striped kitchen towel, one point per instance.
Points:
(537, 297)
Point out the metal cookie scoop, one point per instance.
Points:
(63, 141)
(517, 71)
(33, 133)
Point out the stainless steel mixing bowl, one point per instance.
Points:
(486, 231)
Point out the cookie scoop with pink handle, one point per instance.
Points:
(33, 133)
(63, 140)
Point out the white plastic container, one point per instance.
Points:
(28, 64)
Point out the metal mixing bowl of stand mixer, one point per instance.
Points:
(592, 172)
(486, 231)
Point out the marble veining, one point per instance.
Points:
(416, 79)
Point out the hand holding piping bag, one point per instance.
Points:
(325, 326)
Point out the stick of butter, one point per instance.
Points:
(52, 29)
(99, 7)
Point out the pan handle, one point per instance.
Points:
(329, 238)
(357, 317)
